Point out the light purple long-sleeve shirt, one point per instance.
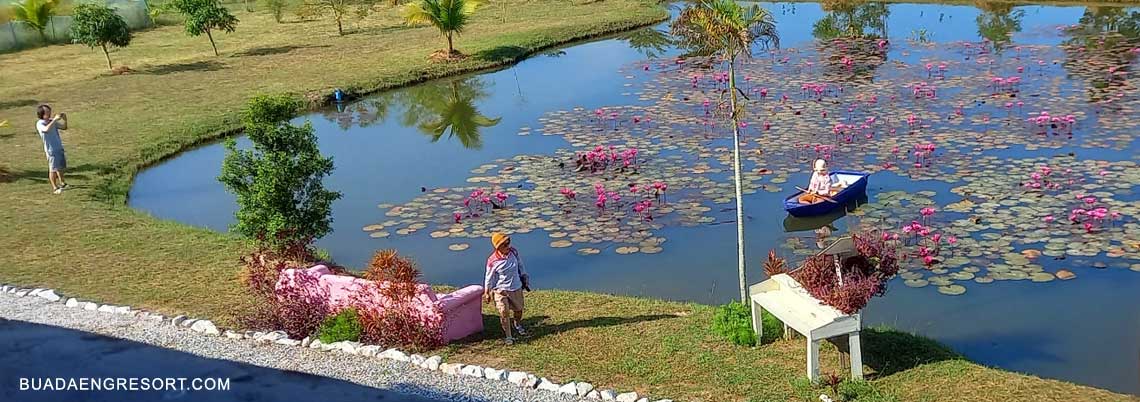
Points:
(504, 272)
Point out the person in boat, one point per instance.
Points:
(820, 185)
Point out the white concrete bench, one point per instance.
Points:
(797, 309)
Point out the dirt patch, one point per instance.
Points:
(443, 56)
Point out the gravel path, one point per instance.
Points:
(368, 371)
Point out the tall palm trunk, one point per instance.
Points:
(736, 177)
(450, 48)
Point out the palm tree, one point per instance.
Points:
(449, 16)
(36, 13)
(723, 28)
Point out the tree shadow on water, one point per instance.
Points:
(205, 65)
(502, 53)
(890, 351)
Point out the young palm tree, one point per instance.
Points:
(36, 13)
(449, 16)
(722, 28)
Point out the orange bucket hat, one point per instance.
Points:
(498, 238)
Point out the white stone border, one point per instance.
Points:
(433, 363)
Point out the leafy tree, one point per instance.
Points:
(204, 16)
(97, 25)
(449, 16)
(278, 183)
(277, 7)
(36, 14)
(725, 29)
(339, 9)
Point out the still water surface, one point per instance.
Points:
(390, 147)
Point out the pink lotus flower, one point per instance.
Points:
(928, 260)
(928, 211)
(951, 240)
(1048, 219)
(458, 217)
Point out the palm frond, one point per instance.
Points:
(724, 27)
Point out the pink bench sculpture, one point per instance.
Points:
(458, 313)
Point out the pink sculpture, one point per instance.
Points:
(458, 313)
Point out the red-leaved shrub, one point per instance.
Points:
(774, 265)
(400, 323)
(865, 275)
(297, 310)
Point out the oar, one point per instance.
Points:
(825, 198)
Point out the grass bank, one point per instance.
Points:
(667, 349)
(87, 243)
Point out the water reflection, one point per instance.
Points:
(436, 109)
(998, 22)
(852, 19)
(650, 42)
(1099, 49)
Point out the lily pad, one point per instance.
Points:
(952, 290)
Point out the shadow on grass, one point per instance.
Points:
(269, 51)
(538, 327)
(379, 30)
(205, 65)
(6, 104)
(40, 175)
(502, 53)
(890, 351)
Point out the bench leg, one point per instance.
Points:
(812, 359)
(856, 355)
(758, 321)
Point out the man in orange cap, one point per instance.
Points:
(504, 283)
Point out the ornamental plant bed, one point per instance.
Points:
(862, 273)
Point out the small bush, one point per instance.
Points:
(344, 326)
(400, 324)
(299, 313)
(733, 321)
(774, 265)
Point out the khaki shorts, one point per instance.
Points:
(508, 300)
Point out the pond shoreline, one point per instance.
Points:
(314, 101)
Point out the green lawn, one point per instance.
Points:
(88, 244)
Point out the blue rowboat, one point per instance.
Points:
(810, 223)
(856, 188)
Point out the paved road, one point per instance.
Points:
(36, 351)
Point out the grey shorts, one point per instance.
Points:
(57, 161)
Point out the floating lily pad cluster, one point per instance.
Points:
(1004, 231)
(951, 112)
